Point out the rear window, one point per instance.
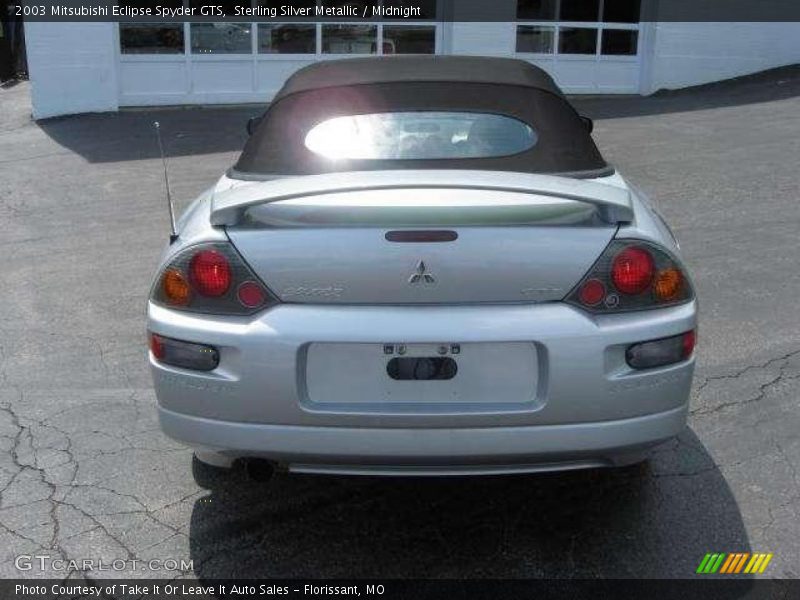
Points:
(418, 135)
(427, 125)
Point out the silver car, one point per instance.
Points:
(422, 265)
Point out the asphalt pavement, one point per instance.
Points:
(86, 473)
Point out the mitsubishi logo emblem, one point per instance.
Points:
(421, 275)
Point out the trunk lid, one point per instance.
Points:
(400, 239)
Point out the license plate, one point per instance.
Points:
(398, 372)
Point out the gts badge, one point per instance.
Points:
(544, 291)
(303, 291)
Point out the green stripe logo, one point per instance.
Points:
(711, 563)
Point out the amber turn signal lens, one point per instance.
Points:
(668, 284)
(176, 288)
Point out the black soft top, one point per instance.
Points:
(418, 69)
(354, 86)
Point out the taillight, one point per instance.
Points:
(659, 353)
(632, 275)
(213, 279)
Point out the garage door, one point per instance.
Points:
(208, 63)
(588, 46)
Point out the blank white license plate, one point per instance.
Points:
(485, 373)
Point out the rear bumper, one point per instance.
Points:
(580, 375)
(440, 451)
(587, 408)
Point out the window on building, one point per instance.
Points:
(579, 10)
(409, 39)
(151, 38)
(536, 10)
(536, 39)
(578, 27)
(577, 40)
(287, 38)
(621, 11)
(349, 39)
(392, 36)
(619, 42)
(221, 38)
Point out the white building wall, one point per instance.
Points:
(685, 54)
(72, 67)
(76, 67)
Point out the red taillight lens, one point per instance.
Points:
(632, 270)
(210, 273)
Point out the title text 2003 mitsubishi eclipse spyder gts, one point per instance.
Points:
(422, 265)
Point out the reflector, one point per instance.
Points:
(156, 347)
(251, 295)
(659, 353)
(689, 340)
(186, 355)
(592, 292)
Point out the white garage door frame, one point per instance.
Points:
(596, 73)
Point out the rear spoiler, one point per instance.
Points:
(613, 203)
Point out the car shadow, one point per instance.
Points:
(767, 86)
(652, 520)
(129, 135)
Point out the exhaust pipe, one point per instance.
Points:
(259, 469)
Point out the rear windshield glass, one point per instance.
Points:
(419, 135)
(427, 125)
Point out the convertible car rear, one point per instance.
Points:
(422, 266)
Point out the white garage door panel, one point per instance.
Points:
(229, 76)
(575, 75)
(590, 76)
(614, 77)
(271, 74)
(153, 78)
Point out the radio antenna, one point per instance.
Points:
(173, 232)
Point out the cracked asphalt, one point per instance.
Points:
(86, 474)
